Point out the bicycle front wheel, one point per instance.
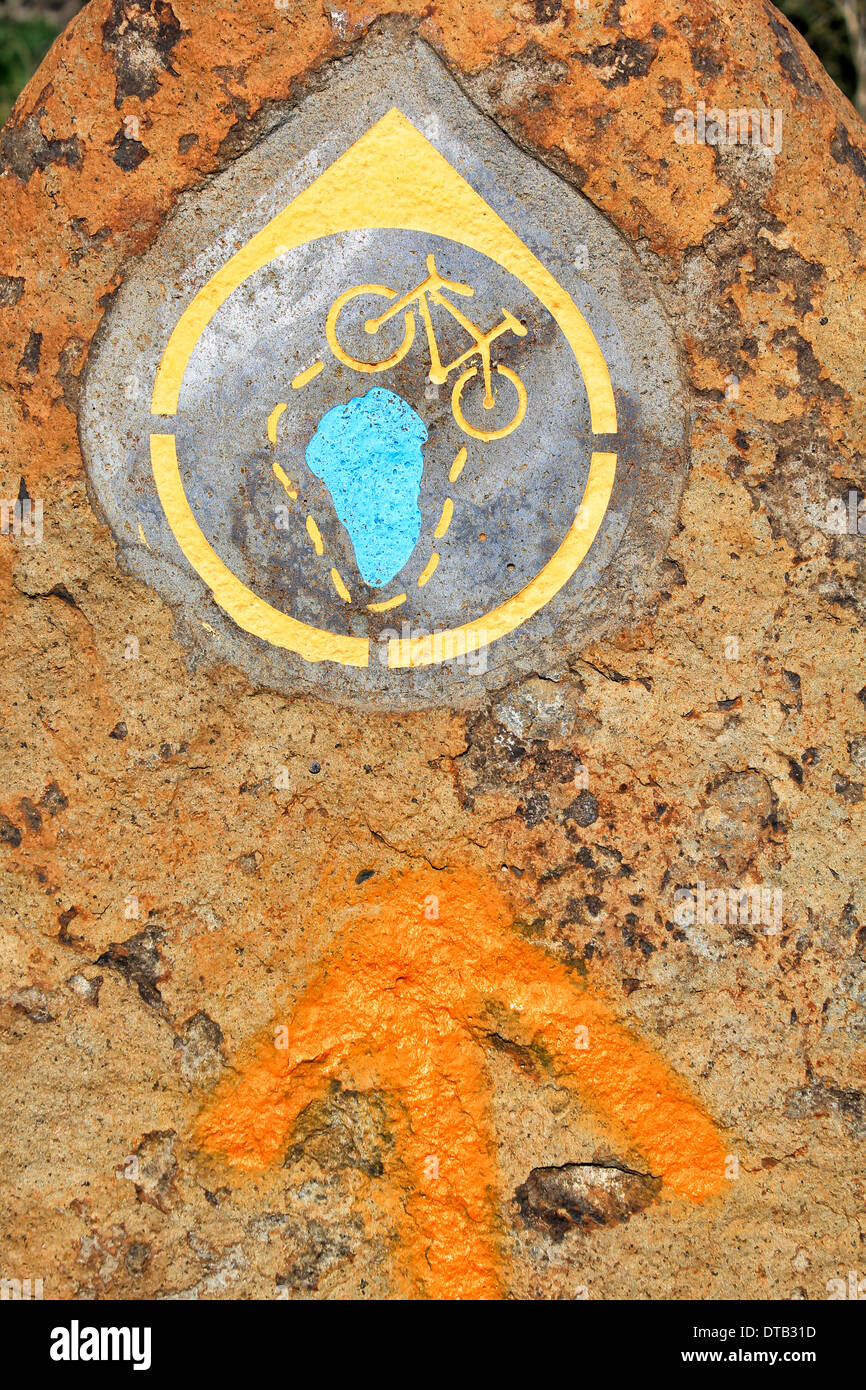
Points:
(457, 407)
(357, 363)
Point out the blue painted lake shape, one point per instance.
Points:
(369, 455)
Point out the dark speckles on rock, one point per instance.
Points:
(618, 63)
(138, 961)
(773, 264)
(849, 791)
(187, 142)
(30, 358)
(70, 358)
(140, 35)
(706, 62)
(128, 154)
(364, 875)
(65, 920)
(573, 912)
(845, 153)
(583, 1195)
(31, 813)
(546, 11)
(812, 382)
(52, 799)
(823, 1098)
(789, 58)
(497, 759)
(137, 1257)
(534, 809)
(11, 290)
(583, 810)
(857, 750)
(24, 148)
(9, 832)
(318, 1250)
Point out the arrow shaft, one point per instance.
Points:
(400, 1003)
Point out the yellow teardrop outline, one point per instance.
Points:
(391, 178)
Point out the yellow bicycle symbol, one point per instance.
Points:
(439, 371)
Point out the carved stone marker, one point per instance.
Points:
(434, 693)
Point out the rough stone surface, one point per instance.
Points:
(582, 1194)
(242, 826)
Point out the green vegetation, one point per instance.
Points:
(822, 24)
(23, 45)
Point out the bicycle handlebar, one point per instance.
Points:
(456, 286)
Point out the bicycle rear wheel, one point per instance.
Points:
(357, 363)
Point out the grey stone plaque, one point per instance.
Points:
(388, 411)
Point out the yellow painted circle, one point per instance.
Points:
(390, 179)
(355, 362)
(488, 434)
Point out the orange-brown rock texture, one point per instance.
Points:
(187, 858)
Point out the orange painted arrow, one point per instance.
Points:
(402, 1003)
